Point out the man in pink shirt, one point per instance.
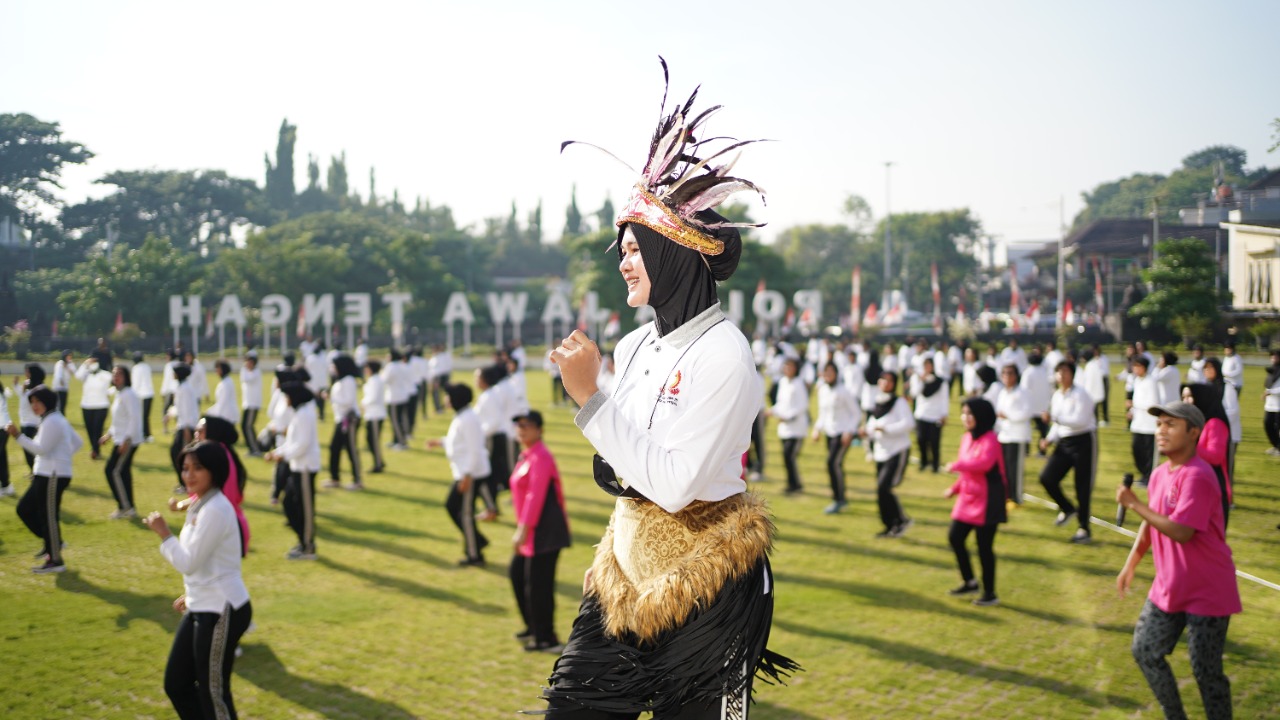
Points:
(1195, 582)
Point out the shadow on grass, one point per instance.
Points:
(134, 606)
(263, 668)
(414, 589)
(877, 551)
(885, 597)
(336, 534)
(346, 522)
(1058, 619)
(904, 653)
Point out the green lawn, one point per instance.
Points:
(385, 626)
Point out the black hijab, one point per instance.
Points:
(682, 282)
(1208, 400)
(984, 416)
(1273, 370)
(882, 408)
(873, 371)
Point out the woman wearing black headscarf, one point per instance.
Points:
(1214, 446)
(1271, 404)
(679, 600)
(301, 449)
(344, 395)
(980, 493)
(28, 420)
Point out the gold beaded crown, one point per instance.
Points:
(676, 184)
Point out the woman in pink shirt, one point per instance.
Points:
(980, 494)
(542, 530)
(1214, 446)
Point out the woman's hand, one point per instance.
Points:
(518, 538)
(180, 604)
(155, 522)
(579, 362)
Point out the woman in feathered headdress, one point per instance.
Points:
(679, 600)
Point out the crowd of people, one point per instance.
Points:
(1013, 403)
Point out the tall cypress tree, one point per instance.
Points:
(280, 190)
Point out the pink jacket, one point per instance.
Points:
(1215, 441)
(535, 472)
(979, 500)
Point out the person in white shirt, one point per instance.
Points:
(969, 374)
(144, 387)
(126, 432)
(604, 380)
(250, 402)
(373, 406)
(1013, 427)
(199, 378)
(792, 412)
(1093, 378)
(1232, 366)
(464, 446)
(40, 508)
(1271, 404)
(224, 394)
(931, 409)
(1101, 358)
(1074, 438)
(1142, 424)
(442, 367)
(838, 419)
(420, 373)
(279, 415)
(168, 384)
(1195, 370)
(215, 603)
(301, 449)
(361, 353)
(493, 410)
(1035, 381)
(28, 420)
(344, 397)
(1168, 379)
(63, 371)
(889, 359)
(6, 488)
(1052, 357)
(889, 427)
(309, 346)
(316, 364)
(1013, 355)
(399, 386)
(95, 400)
(954, 355)
(186, 412)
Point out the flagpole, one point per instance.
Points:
(888, 237)
(1062, 238)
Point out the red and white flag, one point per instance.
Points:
(937, 296)
(871, 318)
(119, 321)
(208, 323)
(301, 330)
(960, 313)
(789, 321)
(1033, 313)
(1068, 314)
(855, 301)
(1097, 288)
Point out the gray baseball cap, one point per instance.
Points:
(1179, 409)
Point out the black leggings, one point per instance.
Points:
(344, 440)
(300, 508)
(1271, 424)
(1078, 452)
(1015, 459)
(533, 581)
(248, 431)
(95, 419)
(198, 676)
(888, 476)
(373, 434)
(929, 437)
(836, 450)
(790, 451)
(120, 476)
(957, 535)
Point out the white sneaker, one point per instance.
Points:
(123, 514)
(1270, 451)
(8, 491)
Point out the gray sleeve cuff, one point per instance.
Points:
(589, 410)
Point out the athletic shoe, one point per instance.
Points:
(885, 533)
(378, 469)
(547, 646)
(754, 476)
(1273, 451)
(986, 601)
(835, 507)
(298, 553)
(332, 484)
(239, 651)
(1103, 423)
(471, 562)
(8, 491)
(49, 566)
(39, 554)
(524, 635)
(150, 439)
(903, 527)
(967, 588)
(1082, 537)
(123, 514)
(354, 486)
(487, 515)
(1064, 518)
(793, 491)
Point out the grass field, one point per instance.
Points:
(384, 625)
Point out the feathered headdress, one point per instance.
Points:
(676, 184)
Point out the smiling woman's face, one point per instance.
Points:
(633, 271)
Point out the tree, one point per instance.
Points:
(1231, 157)
(32, 155)
(572, 216)
(196, 210)
(280, 188)
(134, 283)
(1183, 279)
(947, 237)
(606, 215)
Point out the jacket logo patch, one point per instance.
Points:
(674, 387)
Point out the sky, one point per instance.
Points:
(1010, 109)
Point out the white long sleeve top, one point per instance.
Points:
(1145, 396)
(26, 416)
(54, 444)
(1094, 379)
(207, 553)
(1272, 402)
(224, 401)
(199, 380)
(140, 380)
(930, 408)
(419, 369)
(1071, 412)
(1013, 415)
(186, 406)
(1231, 405)
(1039, 388)
(95, 393)
(62, 372)
(373, 400)
(838, 411)
(301, 446)
(491, 409)
(792, 408)
(126, 417)
(1168, 384)
(395, 376)
(317, 366)
(464, 446)
(168, 383)
(1195, 372)
(344, 397)
(681, 412)
(250, 388)
(891, 433)
(1233, 370)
